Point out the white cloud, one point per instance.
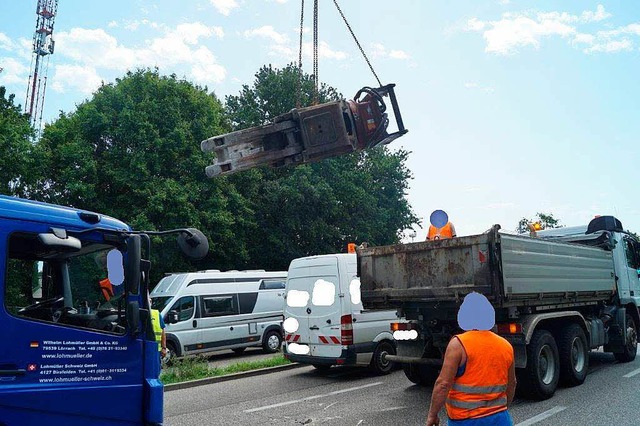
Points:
(582, 38)
(112, 24)
(516, 30)
(470, 85)
(278, 1)
(179, 50)
(13, 72)
(224, 6)
(6, 43)
(611, 46)
(380, 51)
(268, 32)
(85, 78)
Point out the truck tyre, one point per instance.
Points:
(574, 355)
(631, 345)
(423, 375)
(378, 362)
(271, 342)
(540, 379)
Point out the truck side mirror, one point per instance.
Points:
(171, 317)
(132, 270)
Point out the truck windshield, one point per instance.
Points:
(71, 289)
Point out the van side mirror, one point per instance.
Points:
(171, 317)
(132, 270)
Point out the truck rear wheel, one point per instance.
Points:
(540, 379)
(379, 363)
(423, 375)
(631, 345)
(574, 355)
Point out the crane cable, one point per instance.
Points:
(315, 51)
(357, 42)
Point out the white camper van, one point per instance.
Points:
(325, 322)
(221, 310)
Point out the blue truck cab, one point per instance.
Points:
(77, 343)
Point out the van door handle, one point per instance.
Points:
(315, 327)
(195, 324)
(16, 372)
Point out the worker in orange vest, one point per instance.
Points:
(440, 227)
(478, 379)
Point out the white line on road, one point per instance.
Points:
(309, 398)
(331, 405)
(540, 417)
(633, 373)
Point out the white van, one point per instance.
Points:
(325, 323)
(217, 310)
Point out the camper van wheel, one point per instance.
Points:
(379, 363)
(238, 351)
(272, 342)
(631, 346)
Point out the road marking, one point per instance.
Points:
(633, 373)
(310, 398)
(331, 405)
(540, 417)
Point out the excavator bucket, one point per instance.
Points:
(309, 134)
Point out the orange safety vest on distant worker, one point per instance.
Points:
(447, 231)
(106, 288)
(482, 389)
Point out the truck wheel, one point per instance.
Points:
(631, 345)
(378, 362)
(272, 342)
(574, 355)
(423, 375)
(540, 379)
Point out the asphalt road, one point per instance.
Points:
(347, 396)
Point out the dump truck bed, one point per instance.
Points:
(510, 270)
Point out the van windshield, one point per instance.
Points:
(160, 302)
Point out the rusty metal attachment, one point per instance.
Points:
(309, 134)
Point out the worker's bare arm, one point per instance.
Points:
(452, 359)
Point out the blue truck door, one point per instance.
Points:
(63, 360)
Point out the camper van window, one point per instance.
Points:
(215, 306)
(272, 285)
(185, 307)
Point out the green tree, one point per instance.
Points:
(17, 162)
(546, 220)
(316, 208)
(132, 152)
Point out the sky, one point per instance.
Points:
(513, 107)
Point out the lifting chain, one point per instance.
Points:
(315, 52)
(299, 81)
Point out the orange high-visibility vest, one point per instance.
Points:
(106, 288)
(446, 231)
(482, 389)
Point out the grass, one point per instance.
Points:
(187, 369)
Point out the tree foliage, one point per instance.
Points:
(132, 152)
(546, 220)
(18, 165)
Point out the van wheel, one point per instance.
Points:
(631, 345)
(172, 353)
(238, 351)
(423, 375)
(272, 342)
(540, 379)
(379, 363)
(574, 355)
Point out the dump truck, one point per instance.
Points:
(556, 297)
